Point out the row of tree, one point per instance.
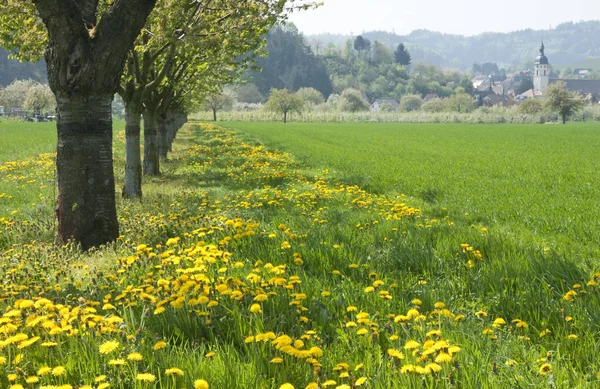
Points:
(161, 56)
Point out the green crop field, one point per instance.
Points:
(340, 256)
(539, 182)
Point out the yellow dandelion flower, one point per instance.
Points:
(443, 358)
(109, 347)
(103, 385)
(44, 370)
(58, 371)
(159, 345)
(546, 368)
(411, 345)
(277, 360)
(134, 357)
(32, 379)
(312, 385)
(287, 385)
(360, 381)
(116, 362)
(100, 378)
(328, 383)
(16, 386)
(210, 354)
(256, 308)
(200, 384)
(174, 371)
(145, 377)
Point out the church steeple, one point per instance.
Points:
(541, 77)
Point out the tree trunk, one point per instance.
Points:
(133, 159)
(285, 117)
(171, 130)
(564, 119)
(214, 115)
(151, 159)
(163, 142)
(86, 188)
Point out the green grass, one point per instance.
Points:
(23, 142)
(231, 224)
(536, 181)
(24, 139)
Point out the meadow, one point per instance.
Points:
(316, 256)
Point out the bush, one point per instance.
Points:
(311, 96)
(434, 105)
(352, 100)
(531, 107)
(461, 103)
(387, 108)
(410, 103)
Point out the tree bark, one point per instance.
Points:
(133, 159)
(163, 142)
(285, 117)
(151, 159)
(86, 188)
(214, 115)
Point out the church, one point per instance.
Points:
(541, 80)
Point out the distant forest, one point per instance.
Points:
(567, 44)
(11, 70)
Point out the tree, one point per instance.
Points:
(560, 100)
(462, 103)
(86, 45)
(362, 44)
(284, 102)
(247, 93)
(217, 102)
(402, 56)
(526, 84)
(14, 95)
(531, 107)
(290, 64)
(38, 98)
(409, 103)
(311, 96)
(352, 100)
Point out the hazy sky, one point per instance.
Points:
(466, 17)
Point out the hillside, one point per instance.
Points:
(11, 70)
(568, 44)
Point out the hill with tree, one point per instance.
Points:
(567, 44)
(11, 70)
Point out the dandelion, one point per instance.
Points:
(116, 362)
(546, 368)
(256, 308)
(159, 345)
(32, 379)
(286, 386)
(360, 381)
(135, 357)
(277, 360)
(174, 371)
(145, 377)
(109, 347)
(200, 384)
(57, 371)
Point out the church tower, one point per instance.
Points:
(541, 76)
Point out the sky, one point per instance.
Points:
(465, 17)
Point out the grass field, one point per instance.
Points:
(249, 267)
(536, 181)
